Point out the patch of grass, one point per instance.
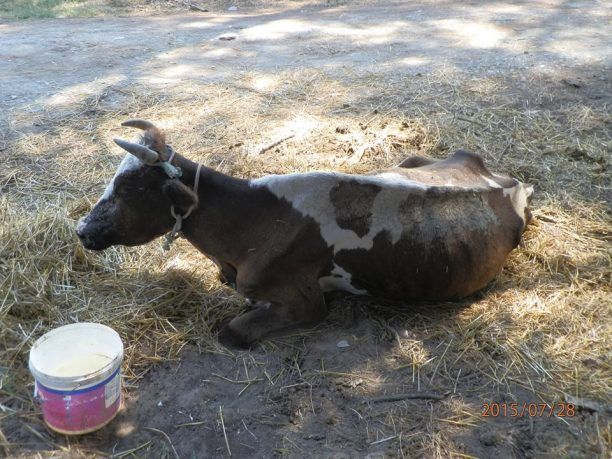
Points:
(37, 9)
(40, 9)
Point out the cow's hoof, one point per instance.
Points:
(233, 340)
(230, 281)
(259, 304)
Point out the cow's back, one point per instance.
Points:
(440, 230)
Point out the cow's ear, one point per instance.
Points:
(181, 196)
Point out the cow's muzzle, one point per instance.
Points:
(91, 237)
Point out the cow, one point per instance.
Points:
(434, 230)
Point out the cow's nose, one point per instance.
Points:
(84, 237)
(80, 228)
(80, 233)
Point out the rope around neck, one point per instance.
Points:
(178, 224)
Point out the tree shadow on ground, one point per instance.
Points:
(323, 391)
(303, 394)
(397, 40)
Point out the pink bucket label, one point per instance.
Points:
(81, 410)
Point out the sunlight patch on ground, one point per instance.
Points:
(213, 22)
(124, 429)
(299, 125)
(176, 71)
(183, 262)
(474, 34)
(589, 50)
(374, 35)
(295, 129)
(412, 61)
(264, 83)
(277, 30)
(80, 92)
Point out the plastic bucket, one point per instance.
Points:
(77, 376)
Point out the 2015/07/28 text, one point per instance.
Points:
(518, 410)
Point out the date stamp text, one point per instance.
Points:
(524, 409)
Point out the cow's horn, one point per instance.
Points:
(142, 152)
(139, 124)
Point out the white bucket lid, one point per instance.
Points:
(70, 342)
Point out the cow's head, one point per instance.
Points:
(136, 205)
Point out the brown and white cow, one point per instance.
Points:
(425, 230)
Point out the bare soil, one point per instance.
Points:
(56, 62)
(302, 395)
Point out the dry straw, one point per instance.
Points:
(544, 324)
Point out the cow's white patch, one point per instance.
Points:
(340, 281)
(454, 184)
(128, 163)
(491, 183)
(392, 178)
(309, 194)
(519, 195)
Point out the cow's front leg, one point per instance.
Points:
(227, 273)
(298, 307)
(256, 304)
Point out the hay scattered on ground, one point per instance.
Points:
(37, 9)
(544, 324)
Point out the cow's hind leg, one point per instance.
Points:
(299, 307)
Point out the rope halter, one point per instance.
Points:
(174, 173)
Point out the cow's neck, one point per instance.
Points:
(216, 226)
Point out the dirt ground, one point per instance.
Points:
(45, 63)
(362, 85)
(310, 398)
